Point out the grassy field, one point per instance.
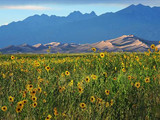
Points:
(97, 86)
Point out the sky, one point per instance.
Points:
(16, 10)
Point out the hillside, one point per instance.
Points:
(129, 43)
(78, 28)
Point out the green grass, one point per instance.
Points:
(129, 102)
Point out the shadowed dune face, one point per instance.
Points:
(128, 43)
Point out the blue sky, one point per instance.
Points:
(15, 10)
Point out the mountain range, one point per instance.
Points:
(129, 43)
(78, 28)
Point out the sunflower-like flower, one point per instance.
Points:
(102, 55)
(12, 57)
(87, 79)
(39, 89)
(137, 84)
(34, 98)
(123, 69)
(4, 108)
(67, 73)
(129, 77)
(94, 49)
(47, 68)
(11, 99)
(20, 104)
(34, 104)
(33, 92)
(25, 101)
(82, 105)
(37, 64)
(147, 79)
(29, 87)
(94, 77)
(80, 90)
(152, 46)
(92, 99)
(107, 92)
(18, 109)
(48, 117)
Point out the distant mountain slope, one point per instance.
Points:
(140, 20)
(128, 43)
(39, 28)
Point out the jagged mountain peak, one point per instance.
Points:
(44, 15)
(37, 18)
(137, 5)
(139, 8)
(76, 14)
(93, 13)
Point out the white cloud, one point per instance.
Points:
(5, 23)
(26, 7)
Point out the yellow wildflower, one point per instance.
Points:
(137, 84)
(82, 105)
(4, 108)
(107, 92)
(11, 99)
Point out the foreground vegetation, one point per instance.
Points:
(83, 86)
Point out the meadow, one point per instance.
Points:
(95, 86)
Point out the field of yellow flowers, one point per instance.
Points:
(97, 86)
